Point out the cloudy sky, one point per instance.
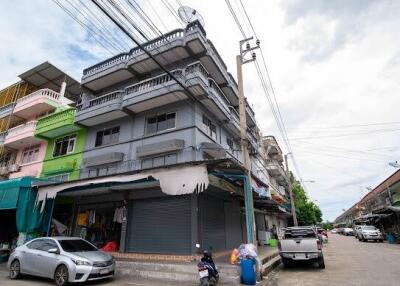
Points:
(335, 68)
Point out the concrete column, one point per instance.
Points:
(194, 222)
(124, 227)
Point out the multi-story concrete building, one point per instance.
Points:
(161, 168)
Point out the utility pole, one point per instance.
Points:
(248, 194)
(293, 207)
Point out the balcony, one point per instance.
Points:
(3, 137)
(171, 47)
(217, 101)
(250, 116)
(196, 77)
(233, 124)
(22, 136)
(102, 109)
(57, 124)
(272, 148)
(154, 92)
(276, 171)
(6, 110)
(38, 102)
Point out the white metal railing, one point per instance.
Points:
(221, 97)
(152, 82)
(106, 64)
(46, 92)
(197, 67)
(20, 129)
(104, 99)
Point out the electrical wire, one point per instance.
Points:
(235, 18)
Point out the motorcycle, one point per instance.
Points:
(207, 270)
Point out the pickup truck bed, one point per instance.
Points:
(301, 244)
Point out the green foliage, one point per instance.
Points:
(308, 213)
(327, 225)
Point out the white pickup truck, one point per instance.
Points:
(301, 244)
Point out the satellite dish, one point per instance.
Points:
(189, 15)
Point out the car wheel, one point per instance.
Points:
(15, 270)
(381, 240)
(61, 275)
(321, 264)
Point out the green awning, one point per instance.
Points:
(9, 192)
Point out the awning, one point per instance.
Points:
(394, 208)
(173, 181)
(9, 192)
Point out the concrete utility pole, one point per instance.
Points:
(248, 194)
(293, 207)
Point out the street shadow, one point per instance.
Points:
(48, 281)
(301, 266)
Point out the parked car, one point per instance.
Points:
(64, 259)
(334, 230)
(348, 231)
(301, 244)
(357, 230)
(369, 232)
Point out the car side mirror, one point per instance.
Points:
(53, 250)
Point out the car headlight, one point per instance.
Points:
(80, 262)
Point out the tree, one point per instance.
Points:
(308, 213)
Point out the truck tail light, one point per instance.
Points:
(319, 244)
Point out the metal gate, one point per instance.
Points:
(160, 225)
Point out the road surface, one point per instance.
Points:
(348, 262)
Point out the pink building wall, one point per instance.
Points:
(32, 168)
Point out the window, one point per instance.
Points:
(30, 154)
(103, 171)
(159, 161)
(160, 122)
(36, 244)
(107, 136)
(76, 245)
(59, 178)
(211, 128)
(47, 244)
(229, 141)
(64, 145)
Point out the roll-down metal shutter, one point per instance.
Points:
(212, 223)
(160, 225)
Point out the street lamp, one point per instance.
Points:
(309, 181)
(394, 164)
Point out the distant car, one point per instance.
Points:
(369, 232)
(64, 259)
(301, 244)
(348, 231)
(340, 230)
(334, 230)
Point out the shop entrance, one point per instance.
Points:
(100, 223)
(8, 232)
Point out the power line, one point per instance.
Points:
(235, 18)
(171, 9)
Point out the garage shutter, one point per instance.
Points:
(212, 223)
(260, 221)
(160, 225)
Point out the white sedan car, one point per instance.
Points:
(64, 259)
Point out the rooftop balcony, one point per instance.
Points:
(171, 47)
(101, 109)
(57, 124)
(38, 102)
(6, 110)
(22, 136)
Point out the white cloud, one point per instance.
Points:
(332, 63)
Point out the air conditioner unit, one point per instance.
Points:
(14, 168)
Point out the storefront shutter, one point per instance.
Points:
(160, 225)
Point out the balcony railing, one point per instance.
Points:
(152, 82)
(220, 95)
(21, 129)
(196, 68)
(157, 42)
(6, 110)
(46, 92)
(65, 117)
(3, 137)
(106, 99)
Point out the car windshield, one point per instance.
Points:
(369, 228)
(76, 245)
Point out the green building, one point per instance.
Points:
(66, 141)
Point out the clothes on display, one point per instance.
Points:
(120, 214)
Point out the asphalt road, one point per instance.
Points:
(348, 262)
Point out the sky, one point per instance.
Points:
(334, 66)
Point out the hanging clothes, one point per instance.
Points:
(82, 219)
(119, 214)
(92, 217)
